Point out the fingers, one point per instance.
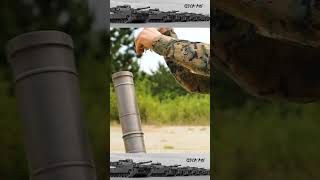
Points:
(145, 39)
(164, 30)
(138, 45)
(168, 32)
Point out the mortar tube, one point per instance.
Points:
(47, 90)
(128, 112)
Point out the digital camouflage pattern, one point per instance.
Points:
(189, 62)
(270, 48)
(275, 68)
(296, 21)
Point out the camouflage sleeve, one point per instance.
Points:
(194, 56)
(188, 80)
(170, 32)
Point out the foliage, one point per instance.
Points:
(164, 85)
(123, 57)
(180, 110)
(161, 99)
(257, 139)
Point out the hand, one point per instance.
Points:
(145, 39)
(164, 30)
(168, 32)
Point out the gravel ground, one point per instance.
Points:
(167, 139)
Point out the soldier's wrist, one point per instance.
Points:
(168, 32)
(161, 45)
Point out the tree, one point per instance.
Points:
(164, 85)
(123, 57)
(71, 17)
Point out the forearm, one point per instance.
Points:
(188, 80)
(191, 82)
(193, 55)
(294, 21)
(263, 66)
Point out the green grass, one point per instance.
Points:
(168, 147)
(267, 141)
(190, 109)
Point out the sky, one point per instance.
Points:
(150, 60)
(167, 5)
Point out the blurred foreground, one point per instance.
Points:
(255, 139)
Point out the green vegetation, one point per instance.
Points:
(190, 109)
(168, 147)
(257, 139)
(161, 99)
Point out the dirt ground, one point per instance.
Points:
(167, 139)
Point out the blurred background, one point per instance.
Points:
(254, 139)
(167, 110)
(84, 22)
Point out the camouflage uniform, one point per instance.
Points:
(296, 21)
(265, 67)
(189, 62)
